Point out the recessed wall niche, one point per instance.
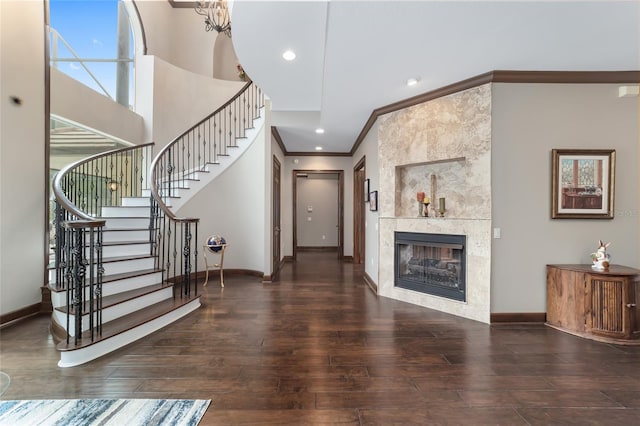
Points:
(450, 183)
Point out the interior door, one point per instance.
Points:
(276, 218)
(359, 212)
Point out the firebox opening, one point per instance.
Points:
(431, 263)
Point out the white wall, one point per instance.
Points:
(177, 35)
(22, 154)
(172, 99)
(529, 120)
(369, 149)
(318, 227)
(104, 115)
(315, 163)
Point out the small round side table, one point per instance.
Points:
(207, 248)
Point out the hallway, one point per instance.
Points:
(319, 347)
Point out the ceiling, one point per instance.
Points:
(356, 56)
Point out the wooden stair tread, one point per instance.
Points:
(132, 274)
(122, 217)
(114, 299)
(127, 322)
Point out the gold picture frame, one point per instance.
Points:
(582, 183)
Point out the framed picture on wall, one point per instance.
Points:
(366, 190)
(583, 183)
(373, 201)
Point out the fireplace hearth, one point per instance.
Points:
(431, 264)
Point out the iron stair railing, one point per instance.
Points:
(179, 162)
(81, 190)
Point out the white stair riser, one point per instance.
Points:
(120, 267)
(126, 250)
(81, 356)
(175, 192)
(126, 223)
(136, 201)
(179, 182)
(167, 201)
(59, 298)
(125, 212)
(111, 268)
(133, 283)
(121, 309)
(125, 235)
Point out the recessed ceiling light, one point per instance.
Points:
(289, 55)
(319, 130)
(318, 148)
(412, 81)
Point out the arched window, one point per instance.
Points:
(93, 42)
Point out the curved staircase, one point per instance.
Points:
(125, 264)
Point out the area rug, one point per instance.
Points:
(104, 412)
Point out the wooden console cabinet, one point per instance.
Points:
(600, 305)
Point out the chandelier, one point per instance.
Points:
(216, 16)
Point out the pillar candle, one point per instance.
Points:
(433, 187)
(441, 203)
(420, 196)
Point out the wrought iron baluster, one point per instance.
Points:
(78, 280)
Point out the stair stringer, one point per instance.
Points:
(224, 162)
(103, 347)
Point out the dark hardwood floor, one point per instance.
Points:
(319, 347)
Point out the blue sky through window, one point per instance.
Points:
(90, 28)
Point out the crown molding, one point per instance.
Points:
(498, 76)
(276, 135)
(317, 154)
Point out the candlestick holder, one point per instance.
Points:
(420, 209)
(426, 209)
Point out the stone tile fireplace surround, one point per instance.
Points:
(449, 138)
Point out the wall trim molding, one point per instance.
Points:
(512, 317)
(23, 313)
(499, 76)
(317, 248)
(370, 283)
(215, 273)
(46, 305)
(288, 259)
